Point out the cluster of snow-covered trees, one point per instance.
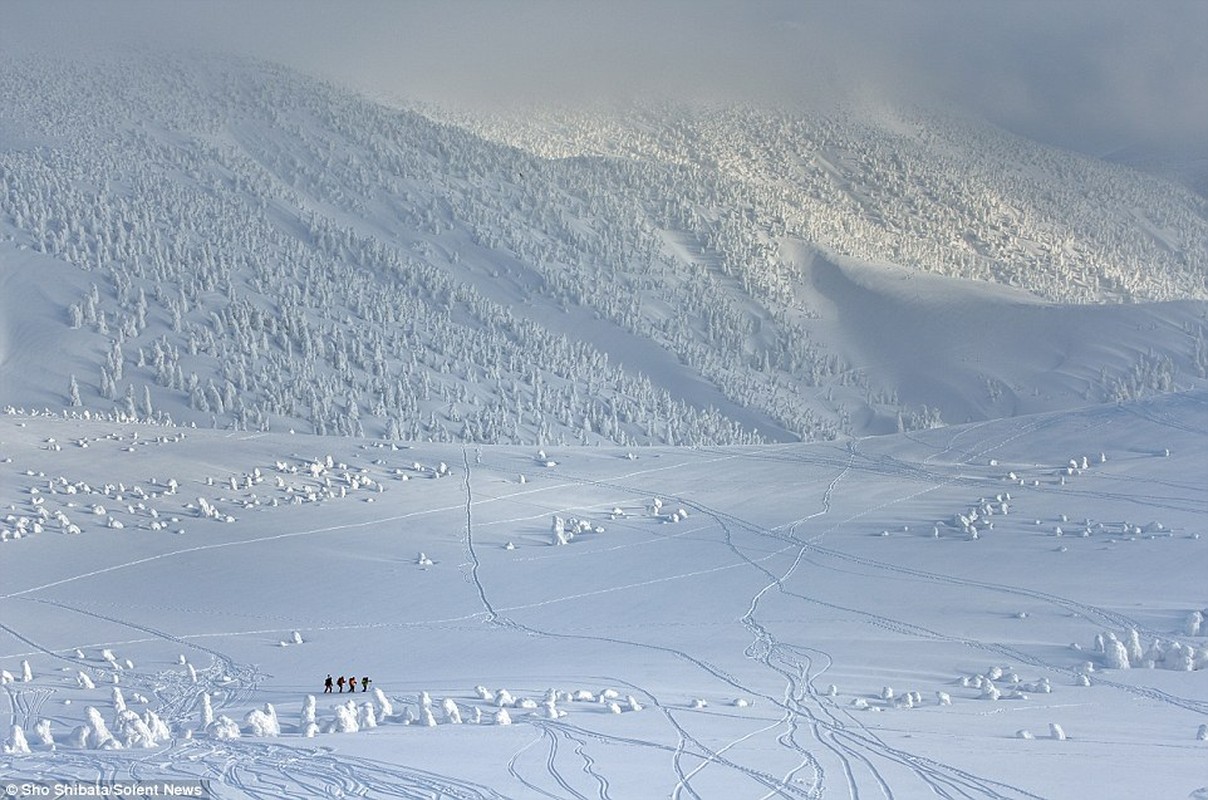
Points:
(1130, 651)
(255, 321)
(126, 728)
(915, 186)
(266, 251)
(1150, 374)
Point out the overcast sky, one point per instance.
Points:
(1086, 74)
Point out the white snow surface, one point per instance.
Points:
(799, 567)
(500, 323)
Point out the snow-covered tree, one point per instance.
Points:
(223, 729)
(367, 715)
(263, 721)
(345, 720)
(206, 712)
(43, 733)
(96, 732)
(132, 731)
(1115, 653)
(16, 743)
(307, 724)
(385, 707)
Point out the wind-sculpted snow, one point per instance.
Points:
(232, 245)
(1009, 609)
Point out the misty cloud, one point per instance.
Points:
(1088, 74)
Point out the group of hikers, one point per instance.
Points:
(351, 682)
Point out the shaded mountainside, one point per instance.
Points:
(231, 244)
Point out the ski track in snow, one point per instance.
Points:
(828, 731)
(777, 657)
(260, 770)
(709, 755)
(589, 764)
(777, 786)
(551, 738)
(553, 735)
(1107, 617)
(25, 704)
(938, 777)
(232, 683)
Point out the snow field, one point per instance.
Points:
(775, 641)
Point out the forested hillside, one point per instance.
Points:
(250, 248)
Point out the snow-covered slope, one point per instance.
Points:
(938, 612)
(1185, 164)
(972, 351)
(200, 257)
(922, 187)
(229, 244)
